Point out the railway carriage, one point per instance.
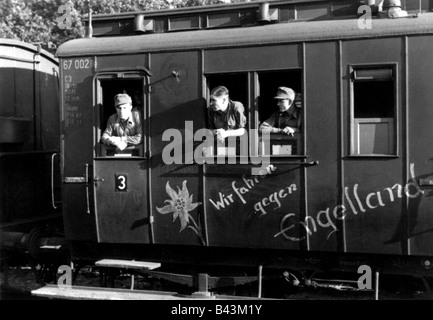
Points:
(29, 135)
(352, 188)
(30, 184)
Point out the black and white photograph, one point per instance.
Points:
(227, 157)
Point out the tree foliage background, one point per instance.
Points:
(36, 21)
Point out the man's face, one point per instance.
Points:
(284, 104)
(219, 103)
(124, 111)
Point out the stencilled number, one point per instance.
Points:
(122, 182)
(76, 64)
(67, 64)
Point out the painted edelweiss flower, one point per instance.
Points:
(180, 205)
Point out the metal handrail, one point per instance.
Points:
(53, 202)
(87, 188)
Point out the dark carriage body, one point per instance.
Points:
(353, 188)
(29, 137)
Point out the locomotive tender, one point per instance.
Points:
(353, 187)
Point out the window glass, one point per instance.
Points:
(373, 111)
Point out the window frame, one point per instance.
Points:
(231, 159)
(302, 136)
(119, 75)
(354, 142)
(252, 111)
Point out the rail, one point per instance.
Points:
(304, 163)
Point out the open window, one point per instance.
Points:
(237, 85)
(109, 85)
(280, 144)
(373, 110)
(259, 89)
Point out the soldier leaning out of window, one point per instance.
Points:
(287, 119)
(225, 117)
(124, 128)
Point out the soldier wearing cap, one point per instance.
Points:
(287, 120)
(392, 9)
(124, 127)
(225, 117)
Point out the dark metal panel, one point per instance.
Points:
(254, 211)
(420, 227)
(50, 111)
(78, 223)
(175, 99)
(372, 51)
(77, 143)
(177, 205)
(125, 62)
(121, 201)
(21, 85)
(28, 91)
(77, 117)
(374, 209)
(7, 91)
(16, 130)
(25, 102)
(25, 186)
(259, 58)
(322, 132)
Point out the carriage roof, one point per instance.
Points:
(290, 32)
(26, 47)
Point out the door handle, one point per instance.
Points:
(96, 180)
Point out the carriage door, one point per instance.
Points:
(120, 177)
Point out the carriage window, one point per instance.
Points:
(278, 115)
(234, 120)
(373, 111)
(257, 91)
(120, 122)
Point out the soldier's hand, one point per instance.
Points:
(114, 140)
(289, 131)
(122, 145)
(220, 134)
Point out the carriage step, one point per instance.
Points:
(95, 293)
(124, 264)
(50, 291)
(127, 264)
